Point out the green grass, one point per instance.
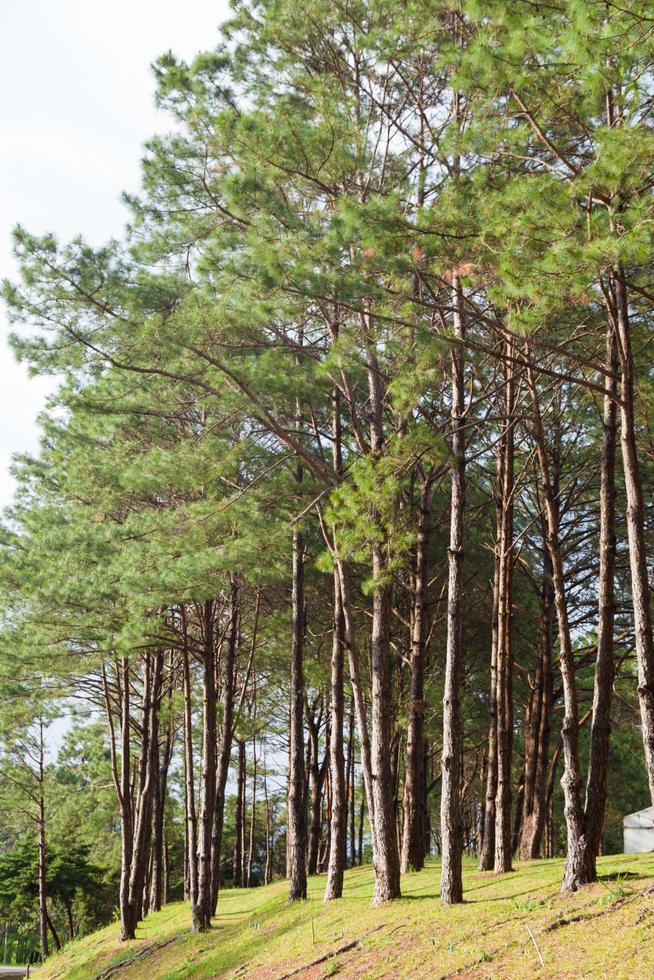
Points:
(605, 930)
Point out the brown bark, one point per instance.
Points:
(253, 817)
(351, 788)
(189, 782)
(43, 898)
(504, 672)
(600, 731)
(644, 639)
(127, 927)
(148, 777)
(413, 836)
(226, 735)
(237, 863)
(337, 824)
(487, 849)
(297, 823)
(451, 761)
(157, 893)
(579, 867)
(201, 909)
(385, 856)
(317, 774)
(538, 728)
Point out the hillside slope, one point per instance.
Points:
(504, 928)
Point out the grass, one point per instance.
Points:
(504, 927)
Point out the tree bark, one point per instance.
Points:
(413, 836)
(201, 909)
(337, 826)
(227, 732)
(297, 822)
(539, 725)
(644, 640)
(487, 850)
(189, 781)
(237, 862)
(504, 673)
(148, 776)
(127, 927)
(579, 866)
(451, 762)
(600, 732)
(43, 897)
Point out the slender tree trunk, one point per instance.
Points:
(43, 897)
(201, 909)
(53, 932)
(386, 858)
(362, 810)
(157, 893)
(357, 694)
(69, 919)
(297, 821)
(504, 701)
(413, 838)
(451, 764)
(539, 727)
(148, 777)
(579, 867)
(487, 850)
(237, 864)
(350, 783)
(338, 825)
(640, 591)
(600, 732)
(316, 778)
(127, 926)
(189, 784)
(266, 874)
(227, 731)
(253, 815)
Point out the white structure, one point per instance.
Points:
(638, 829)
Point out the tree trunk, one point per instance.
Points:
(157, 894)
(127, 926)
(539, 726)
(504, 673)
(644, 640)
(451, 763)
(227, 732)
(237, 863)
(579, 867)
(337, 826)
(316, 778)
(148, 777)
(600, 732)
(297, 822)
(357, 694)
(43, 898)
(201, 909)
(413, 837)
(487, 850)
(351, 790)
(253, 816)
(189, 783)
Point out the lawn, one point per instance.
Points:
(512, 926)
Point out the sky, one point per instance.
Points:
(76, 106)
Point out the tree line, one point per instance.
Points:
(350, 458)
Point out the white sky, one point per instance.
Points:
(76, 105)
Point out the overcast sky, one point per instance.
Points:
(76, 105)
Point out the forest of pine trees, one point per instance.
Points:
(338, 545)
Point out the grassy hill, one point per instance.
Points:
(504, 928)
